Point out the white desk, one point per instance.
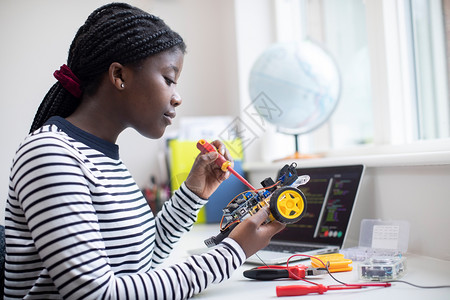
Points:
(420, 270)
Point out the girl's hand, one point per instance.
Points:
(205, 175)
(252, 235)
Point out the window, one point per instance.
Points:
(428, 46)
(351, 123)
(393, 64)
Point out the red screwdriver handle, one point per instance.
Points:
(299, 290)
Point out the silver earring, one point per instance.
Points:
(122, 85)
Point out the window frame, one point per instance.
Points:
(392, 77)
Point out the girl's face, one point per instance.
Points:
(152, 93)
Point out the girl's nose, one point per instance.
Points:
(176, 100)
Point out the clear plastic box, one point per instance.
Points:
(380, 251)
(379, 238)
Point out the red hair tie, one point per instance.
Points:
(68, 80)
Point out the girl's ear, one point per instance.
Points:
(116, 75)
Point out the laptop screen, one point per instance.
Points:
(330, 195)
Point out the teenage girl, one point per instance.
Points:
(77, 225)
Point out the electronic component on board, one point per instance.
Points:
(382, 268)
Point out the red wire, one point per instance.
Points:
(305, 255)
(385, 284)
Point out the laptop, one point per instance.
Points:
(331, 195)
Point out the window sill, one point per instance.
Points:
(419, 154)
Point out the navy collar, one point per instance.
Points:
(109, 149)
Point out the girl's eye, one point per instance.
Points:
(169, 81)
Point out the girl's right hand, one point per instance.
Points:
(252, 235)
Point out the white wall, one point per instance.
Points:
(35, 38)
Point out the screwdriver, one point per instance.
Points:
(224, 164)
(300, 290)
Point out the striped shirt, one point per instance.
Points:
(78, 227)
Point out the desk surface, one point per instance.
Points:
(420, 270)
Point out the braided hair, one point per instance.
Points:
(116, 32)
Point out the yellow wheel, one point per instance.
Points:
(288, 205)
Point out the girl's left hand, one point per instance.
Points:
(205, 175)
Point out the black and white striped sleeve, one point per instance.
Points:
(56, 243)
(184, 280)
(176, 218)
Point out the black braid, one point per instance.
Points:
(116, 32)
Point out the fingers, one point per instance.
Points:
(224, 151)
(274, 227)
(226, 154)
(253, 234)
(269, 229)
(210, 157)
(206, 173)
(219, 146)
(261, 216)
(203, 160)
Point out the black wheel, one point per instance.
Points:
(288, 205)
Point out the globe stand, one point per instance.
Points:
(297, 154)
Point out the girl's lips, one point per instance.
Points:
(169, 116)
(168, 120)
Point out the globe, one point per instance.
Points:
(295, 86)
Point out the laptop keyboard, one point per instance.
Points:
(290, 249)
